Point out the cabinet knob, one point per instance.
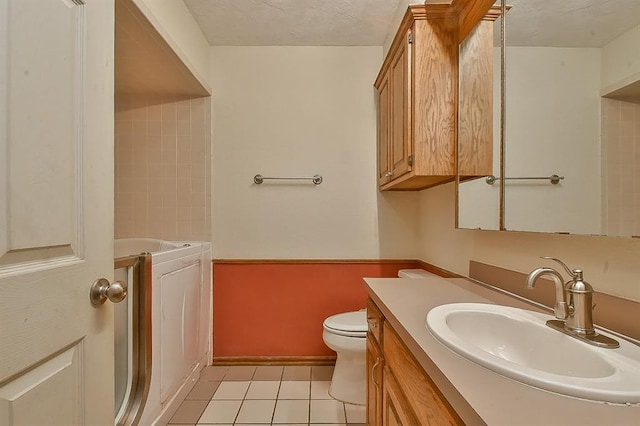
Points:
(388, 174)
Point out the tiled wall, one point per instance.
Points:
(621, 167)
(162, 167)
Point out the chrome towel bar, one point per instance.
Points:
(316, 179)
(553, 179)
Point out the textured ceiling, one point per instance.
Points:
(294, 22)
(569, 23)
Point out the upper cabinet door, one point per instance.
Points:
(400, 74)
(56, 211)
(384, 118)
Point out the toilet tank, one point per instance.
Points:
(415, 273)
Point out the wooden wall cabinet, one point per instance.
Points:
(399, 391)
(417, 100)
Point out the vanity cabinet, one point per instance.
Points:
(417, 102)
(399, 391)
(375, 365)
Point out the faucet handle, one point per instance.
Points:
(574, 273)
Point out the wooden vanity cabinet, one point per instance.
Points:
(375, 365)
(417, 101)
(395, 407)
(399, 391)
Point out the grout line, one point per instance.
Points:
(275, 405)
(309, 413)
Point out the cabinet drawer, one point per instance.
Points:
(428, 405)
(374, 321)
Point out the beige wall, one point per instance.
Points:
(174, 22)
(162, 176)
(298, 111)
(621, 61)
(611, 264)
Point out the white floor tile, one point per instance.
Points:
(294, 390)
(220, 412)
(263, 390)
(291, 411)
(327, 411)
(356, 413)
(256, 411)
(320, 390)
(231, 390)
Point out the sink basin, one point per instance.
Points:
(518, 344)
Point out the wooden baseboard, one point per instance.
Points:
(307, 261)
(274, 360)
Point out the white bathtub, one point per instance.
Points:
(180, 319)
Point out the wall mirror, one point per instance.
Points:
(572, 109)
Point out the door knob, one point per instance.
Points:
(101, 290)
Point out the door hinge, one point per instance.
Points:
(410, 160)
(410, 38)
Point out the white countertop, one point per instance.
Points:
(480, 395)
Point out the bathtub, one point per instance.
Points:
(167, 347)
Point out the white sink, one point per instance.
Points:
(517, 344)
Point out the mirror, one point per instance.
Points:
(572, 110)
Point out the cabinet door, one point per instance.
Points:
(384, 117)
(375, 363)
(401, 141)
(425, 400)
(395, 408)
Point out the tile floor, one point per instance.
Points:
(265, 395)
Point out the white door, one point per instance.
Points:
(56, 211)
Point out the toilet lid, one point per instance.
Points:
(351, 322)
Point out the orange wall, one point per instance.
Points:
(277, 309)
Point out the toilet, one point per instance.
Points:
(346, 334)
(415, 273)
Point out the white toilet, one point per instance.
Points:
(346, 334)
(415, 273)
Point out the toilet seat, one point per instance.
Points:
(350, 324)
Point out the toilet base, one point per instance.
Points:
(349, 381)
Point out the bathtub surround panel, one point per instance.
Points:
(621, 163)
(163, 167)
(268, 309)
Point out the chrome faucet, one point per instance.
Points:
(573, 305)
